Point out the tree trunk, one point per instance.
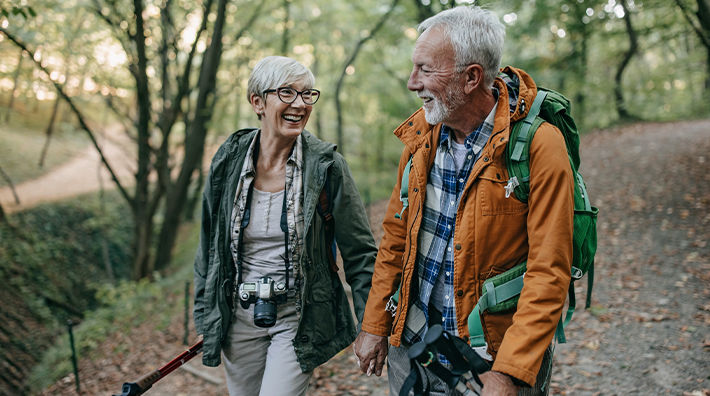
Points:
(239, 97)
(48, 133)
(621, 108)
(195, 197)
(704, 19)
(194, 142)
(142, 218)
(701, 27)
(287, 31)
(142, 236)
(582, 55)
(15, 78)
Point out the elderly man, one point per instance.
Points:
(460, 227)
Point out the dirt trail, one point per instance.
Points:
(82, 174)
(648, 331)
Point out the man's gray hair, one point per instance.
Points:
(276, 71)
(476, 35)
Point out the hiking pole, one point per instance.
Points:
(142, 385)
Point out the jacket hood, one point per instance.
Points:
(521, 90)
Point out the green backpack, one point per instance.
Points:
(501, 293)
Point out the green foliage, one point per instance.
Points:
(52, 264)
(15, 10)
(576, 47)
(121, 307)
(573, 47)
(55, 252)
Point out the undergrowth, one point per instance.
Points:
(120, 307)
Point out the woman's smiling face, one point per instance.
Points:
(279, 118)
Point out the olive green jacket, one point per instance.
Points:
(326, 324)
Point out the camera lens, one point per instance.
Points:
(264, 313)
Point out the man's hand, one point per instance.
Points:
(371, 351)
(496, 383)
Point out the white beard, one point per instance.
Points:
(436, 110)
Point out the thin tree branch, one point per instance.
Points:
(168, 117)
(9, 183)
(80, 117)
(633, 48)
(698, 30)
(351, 59)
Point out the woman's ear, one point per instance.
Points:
(474, 77)
(258, 104)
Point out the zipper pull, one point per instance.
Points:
(510, 187)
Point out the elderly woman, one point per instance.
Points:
(268, 297)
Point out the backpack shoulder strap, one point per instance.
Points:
(404, 189)
(518, 151)
(325, 211)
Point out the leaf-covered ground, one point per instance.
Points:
(648, 331)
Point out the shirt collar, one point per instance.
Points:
(485, 128)
(295, 158)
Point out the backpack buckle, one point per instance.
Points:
(510, 187)
(391, 307)
(577, 273)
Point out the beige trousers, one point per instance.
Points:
(262, 361)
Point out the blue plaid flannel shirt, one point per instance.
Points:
(435, 244)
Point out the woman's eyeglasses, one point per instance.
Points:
(288, 95)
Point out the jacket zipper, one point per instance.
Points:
(402, 282)
(305, 252)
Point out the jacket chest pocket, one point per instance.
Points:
(492, 194)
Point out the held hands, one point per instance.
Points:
(497, 384)
(370, 351)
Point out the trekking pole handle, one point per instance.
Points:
(141, 386)
(148, 380)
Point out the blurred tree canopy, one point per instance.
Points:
(173, 74)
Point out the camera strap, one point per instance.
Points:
(245, 222)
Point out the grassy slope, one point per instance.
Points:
(21, 143)
(122, 309)
(51, 264)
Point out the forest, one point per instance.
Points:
(153, 87)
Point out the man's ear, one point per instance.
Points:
(474, 77)
(258, 104)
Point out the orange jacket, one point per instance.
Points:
(492, 234)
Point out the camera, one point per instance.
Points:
(264, 294)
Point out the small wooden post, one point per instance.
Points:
(187, 313)
(73, 356)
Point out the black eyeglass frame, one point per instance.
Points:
(278, 93)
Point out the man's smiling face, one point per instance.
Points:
(434, 77)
